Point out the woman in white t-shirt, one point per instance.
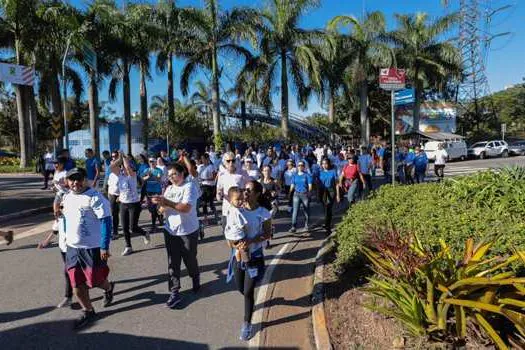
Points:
(129, 199)
(258, 230)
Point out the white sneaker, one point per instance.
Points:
(146, 238)
(127, 251)
(65, 302)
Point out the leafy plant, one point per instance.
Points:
(429, 292)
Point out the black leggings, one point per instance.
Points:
(68, 293)
(130, 213)
(208, 199)
(114, 212)
(246, 286)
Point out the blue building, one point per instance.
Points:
(112, 137)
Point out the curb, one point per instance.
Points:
(46, 209)
(321, 335)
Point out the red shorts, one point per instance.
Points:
(84, 266)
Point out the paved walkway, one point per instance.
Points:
(22, 192)
(32, 284)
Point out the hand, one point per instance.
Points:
(104, 255)
(58, 213)
(159, 200)
(338, 199)
(42, 244)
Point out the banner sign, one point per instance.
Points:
(434, 116)
(404, 97)
(392, 78)
(15, 74)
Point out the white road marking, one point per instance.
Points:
(257, 317)
(38, 229)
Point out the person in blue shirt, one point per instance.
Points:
(70, 163)
(107, 169)
(152, 177)
(420, 165)
(329, 191)
(365, 165)
(301, 187)
(410, 156)
(92, 168)
(400, 164)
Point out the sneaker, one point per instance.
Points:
(201, 231)
(127, 251)
(146, 238)
(65, 302)
(246, 331)
(86, 318)
(108, 295)
(174, 299)
(267, 244)
(9, 237)
(196, 284)
(292, 230)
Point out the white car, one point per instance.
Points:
(486, 149)
(456, 149)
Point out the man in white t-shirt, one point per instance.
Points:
(207, 174)
(49, 167)
(440, 162)
(87, 217)
(229, 179)
(181, 229)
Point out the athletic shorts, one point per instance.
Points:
(84, 266)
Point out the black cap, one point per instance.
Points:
(75, 171)
(60, 160)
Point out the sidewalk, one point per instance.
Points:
(19, 193)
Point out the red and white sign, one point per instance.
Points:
(392, 78)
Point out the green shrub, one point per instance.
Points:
(473, 206)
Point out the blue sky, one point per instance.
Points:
(505, 64)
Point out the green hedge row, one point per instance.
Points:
(487, 203)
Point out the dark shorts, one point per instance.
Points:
(84, 266)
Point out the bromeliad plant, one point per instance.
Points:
(433, 295)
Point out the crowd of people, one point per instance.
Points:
(92, 202)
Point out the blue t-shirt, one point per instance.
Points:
(301, 182)
(107, 168)
(421, 161)
(410, 157)
(381, 152)
(328, 178)
(142, 168)
(365, 163)
(70, 164)
(153, 183)
(91, 167)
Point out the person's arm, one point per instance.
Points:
(114, 165)
(178, 206)
(128, 167)
(191, 170)
(105, 234)
(97, 171)
(220, 193)
(46, 241)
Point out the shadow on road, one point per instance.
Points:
(59, 335)
(16, 316)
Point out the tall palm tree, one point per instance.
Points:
(203, 101)
(285, 46)
(211, 31)
(423, 50)
(369, 52)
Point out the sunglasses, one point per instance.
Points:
(228, 160)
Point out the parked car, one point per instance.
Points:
(517, 148)
(486, 149)
(456, 149)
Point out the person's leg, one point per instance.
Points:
(205, 200)
(352, 191)
(68, 289)
(189, 254)
(296, 202)
(442, 171)
(114, 213)
(135, 209)
(174, 260)
(82, 294)
(328, 214)
(249, 298)
(239, 276)
(124, 216)
(436, 170)
(305, 200)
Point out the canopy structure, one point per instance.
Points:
(441, 136)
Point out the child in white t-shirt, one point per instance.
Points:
(235, 230)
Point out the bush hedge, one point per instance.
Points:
(487, 203)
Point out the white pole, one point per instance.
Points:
(393, 136)
(64, 87)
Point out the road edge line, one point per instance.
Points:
(262, 294)
(320, 329)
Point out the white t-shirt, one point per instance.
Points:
(195, 181)
(255, 219)
(127, 187)
(113, 184)
(254, 174)
(227, 180)
(82, 213)
(235, 224)
(177, 223)
(441, 157)
(59, 181)
(48, 161)
(206, 173)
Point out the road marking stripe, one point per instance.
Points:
(257, 317)
(38, 229)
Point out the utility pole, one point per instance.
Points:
(64, 89)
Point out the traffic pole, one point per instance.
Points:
(393, 136)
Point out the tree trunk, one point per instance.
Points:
(331, 107)
(127, 107)
(144, 108)
(22, 126)
(171, 97)
(243, 114)
(56, 104)
(417, 103)
(93, 113)
(284, 96)
(363, 98)
(215, 106)
(33, 113)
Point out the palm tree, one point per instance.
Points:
(286, 46)
(369, 53)
(429, 58)
(210, 32)
(203, 101)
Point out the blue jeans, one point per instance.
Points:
(298, 199)
(353, 191)
(420, 176)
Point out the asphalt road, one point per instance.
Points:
(25, 190)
